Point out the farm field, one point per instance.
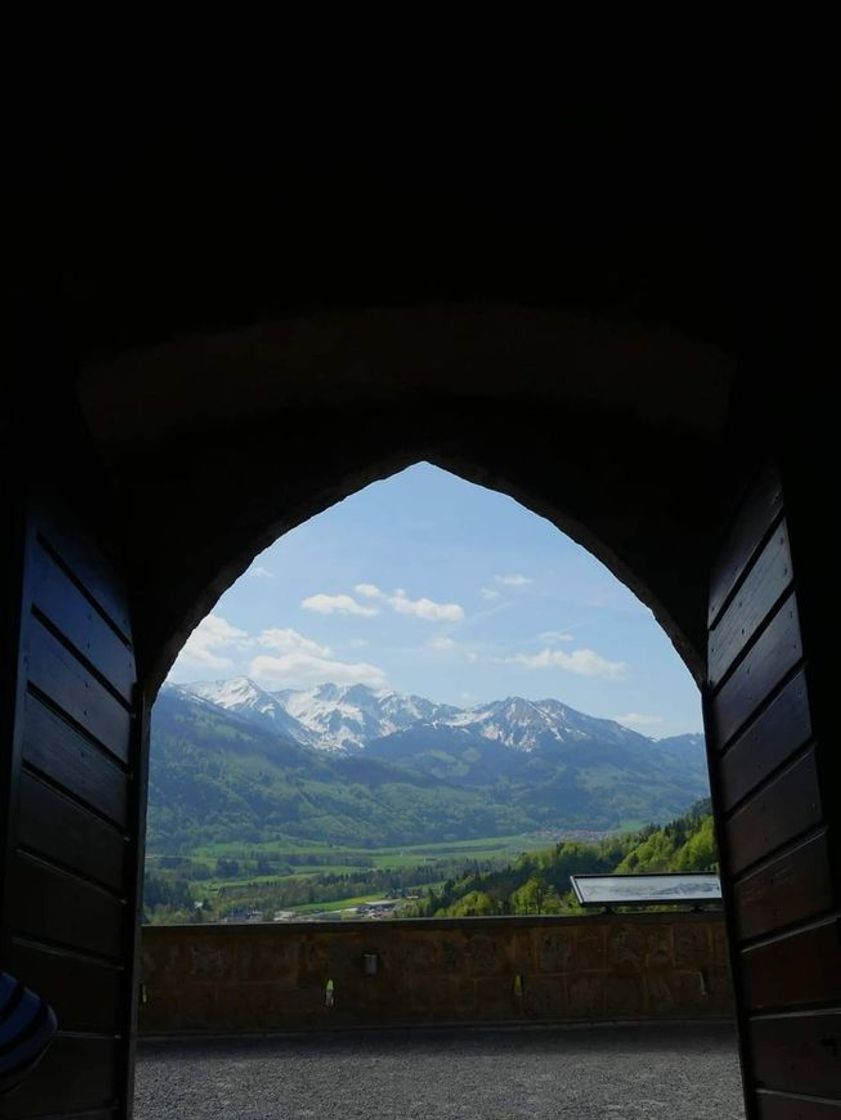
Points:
(234, 881)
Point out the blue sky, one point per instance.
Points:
(429, 584)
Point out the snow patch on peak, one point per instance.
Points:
(226, 693)
(247, 699)
(346, 718)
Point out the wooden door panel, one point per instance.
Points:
(782, 810)
(74, 762)
(775, 836)
(769, 741)
(85, 993)
(74, 844)
(777, 650)
(70, 688)
(48, 904)
(801, 967)
(78, 1073)
(769, 578)
(785, 1106)
(62, 602)
(792, 888)
(794, 1051)
(760, 510)
(60, 830)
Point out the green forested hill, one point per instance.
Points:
(215, 777)
(538, 882)
(231, 802)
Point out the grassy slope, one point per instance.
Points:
(216, 780)
(540, 880)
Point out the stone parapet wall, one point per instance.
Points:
(254, 978)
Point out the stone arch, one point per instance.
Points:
(605, 428)
(470, 471)
(135, 236)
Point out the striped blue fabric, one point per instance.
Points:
(27, 1026)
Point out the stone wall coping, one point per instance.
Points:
(354, 925)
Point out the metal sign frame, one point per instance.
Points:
(656, 900)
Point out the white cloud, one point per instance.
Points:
(259, 572)
(426, 608)
(211, 644)
(441, 642)
(513, 580)
(294, 670)
(369, 590)
(489, 593)
(637, 719)
(290, 641)
(399, 601)
(556, 636)
(583, 662)
(472, 656)
(336, 604)
(292, 660)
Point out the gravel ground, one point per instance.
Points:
(679, 1072)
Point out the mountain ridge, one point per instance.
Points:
(345, 718)
(238, 773)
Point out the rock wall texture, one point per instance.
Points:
(254, 978)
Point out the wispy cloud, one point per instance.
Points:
(257, 571)
(400, 602)
(337, 604)
(426, 608)
(556, 636)
(515, 579)
(301, 670)
(582, 662)
(637, 719)
(290, 641)
(292, 660)
(212, 644)
(443, 643)
(489, 593)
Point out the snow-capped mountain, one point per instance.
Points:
(360, 765)
(335, 718)
(346, 719)
(247, 700)
(528, 724)
(353, 764)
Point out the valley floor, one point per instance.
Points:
(674, 1071)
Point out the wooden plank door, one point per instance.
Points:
(775, 817)
(74, 833)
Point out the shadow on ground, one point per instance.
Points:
(679, 1071)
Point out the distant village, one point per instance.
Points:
(376, 909)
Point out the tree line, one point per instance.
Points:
(538, 882)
